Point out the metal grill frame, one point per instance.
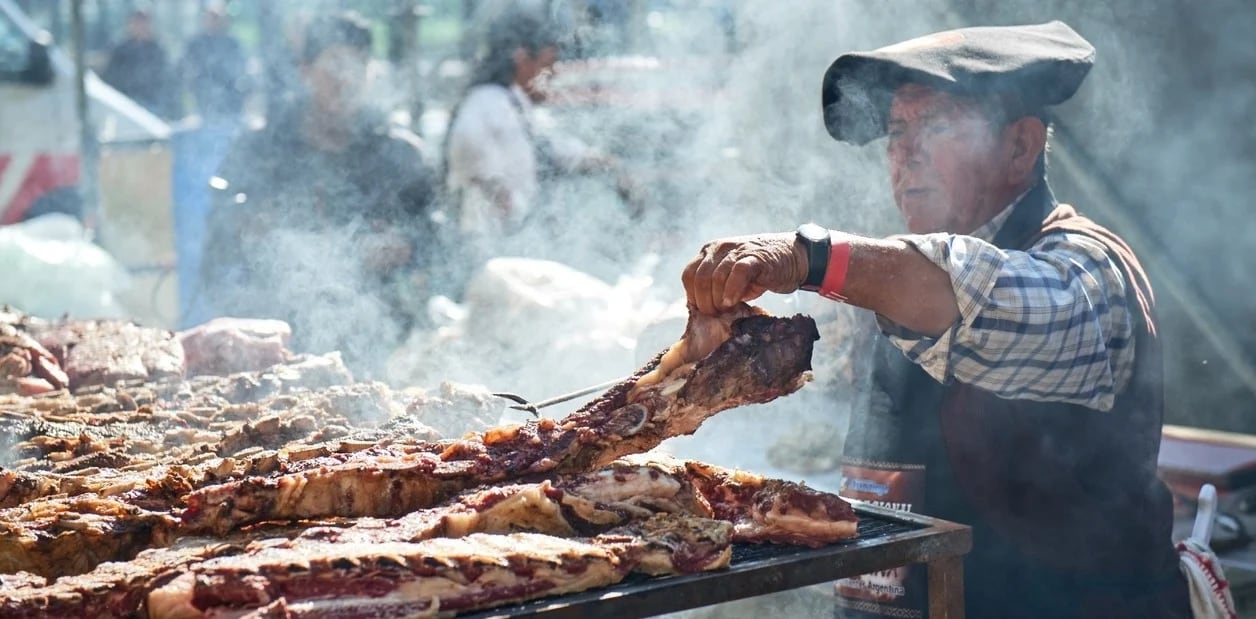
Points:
(758, 570)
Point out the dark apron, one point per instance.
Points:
(895, 452)
(1090, 542)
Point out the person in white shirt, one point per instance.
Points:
(496, 148)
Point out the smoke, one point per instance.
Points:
(719, 118)
(716, 115)
(1162, 123)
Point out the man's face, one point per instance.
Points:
(531, 69)
(216, 22)
(336, 79)
(947, 163)
(139, 27)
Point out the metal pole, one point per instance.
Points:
(403, 52)
(89, 149)
(276, 67)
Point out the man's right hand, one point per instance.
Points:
(729, 271)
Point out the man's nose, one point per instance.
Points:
(905, 150)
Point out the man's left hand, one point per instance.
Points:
(729, 271)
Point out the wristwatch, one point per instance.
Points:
(816, 240)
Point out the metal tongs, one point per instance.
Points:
(534, 408)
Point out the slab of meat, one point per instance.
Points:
(763, 358)
(628, 491)
(577, 505)
(197, 395)
(225, 346)
(21, 580)
(309, 578)
(61, 536)
(670, 544)
(104, 352)
(115, 589)
(92, 447)
(655, 542)
(299, 373)
(26, 367)
(17, 487)
(763, 509)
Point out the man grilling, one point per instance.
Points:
(1018, 385)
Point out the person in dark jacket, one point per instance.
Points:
(1018, 385)
(139, 69)
(321, 218)
(214, 69)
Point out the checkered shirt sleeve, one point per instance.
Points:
(1049, 324)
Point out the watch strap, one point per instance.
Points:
(817, 242)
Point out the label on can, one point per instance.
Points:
(899, 592)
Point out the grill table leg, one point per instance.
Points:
(946, 588)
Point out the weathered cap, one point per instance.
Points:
(1041, 64)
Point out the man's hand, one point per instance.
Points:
(730, 271)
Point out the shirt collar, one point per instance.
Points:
(521, 99)
(988, 230)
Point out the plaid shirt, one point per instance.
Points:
(1049, 324)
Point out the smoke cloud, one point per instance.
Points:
(716, 114)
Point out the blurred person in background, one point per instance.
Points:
(138, 67)
(1018, 387)
(497, 153)
(214, 69)
(321, 218)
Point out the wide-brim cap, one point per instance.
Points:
(1041, 64)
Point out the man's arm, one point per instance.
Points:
(887, 276)
(1052, 323)
(892, 278)
(1049, 324)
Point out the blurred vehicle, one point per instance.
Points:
(40, 150)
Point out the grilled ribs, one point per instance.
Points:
(630, 490)
(64, 536)
(437, 526)
(389, 578)
(764, 358)
(115, 589)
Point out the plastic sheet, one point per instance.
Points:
(50, 269)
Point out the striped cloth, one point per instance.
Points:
(1048, 324)
(1211, 597)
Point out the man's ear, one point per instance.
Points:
(1027, 138)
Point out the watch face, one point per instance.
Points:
(812, 232)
